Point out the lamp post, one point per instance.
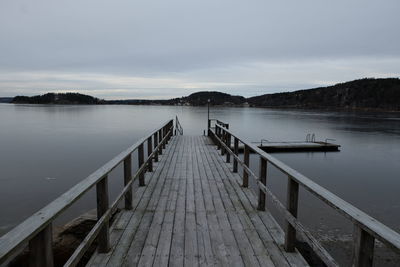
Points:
(208, 117)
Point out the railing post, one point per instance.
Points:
(363, 250)
(228, 144)
(291, 206)
(246, 160)
(223, 139)
(102, 207)
(149, 151)
(170, 130)
(236, 151)
(217, 131)
(167, 134)
(155, 145)
(141, 162)
(263, 180)
(159, 141)
(127, 179)
(40, 248)
(164, 132)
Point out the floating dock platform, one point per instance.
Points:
(296, 146)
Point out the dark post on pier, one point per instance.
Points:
(189, 204)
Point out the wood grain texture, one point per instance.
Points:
(193, 213)
(40, 249)
(102, 207)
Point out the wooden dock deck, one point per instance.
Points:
(193, 212)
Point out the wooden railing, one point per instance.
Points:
(366, 228)
(216, 122)
(178, 127)
(37, 229)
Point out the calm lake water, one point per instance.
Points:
(45, 150)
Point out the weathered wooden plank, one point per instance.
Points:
(263, 180)
(248, 200)
(206, 257)
(124, 238)
(291, 204)
(149, 151)
(134, 254)
(228, 142)
(220, 252)
(127, 179)
(150, 246)
(191, 250)
(140, 163)
(155, 146)
(246, 160)
(271, 227)
(152, 240)
(236, 151)
(363, 251)
(177, 250)
(238, 254)
(244, 225)
(40, 249)
(102, 207)
(164, 245)
(245, 246)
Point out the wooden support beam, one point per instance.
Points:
(228, 144)
(140, 163)
(291, 206)
(363, 250)
(236, 151)
(40, 248)
(149, 151)
(223, 138)
(160, 136)
(155, 145)
(263, 180)
(127, 179)
(164, 132)
(218, 133)
(102, 207)
(246, 161)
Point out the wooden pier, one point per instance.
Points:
(193, 212)
(192, 207)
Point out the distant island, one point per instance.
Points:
(58, 98)
(364, 94)
(376, 94)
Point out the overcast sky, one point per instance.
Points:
(161, 49)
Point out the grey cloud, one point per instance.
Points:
(173, 38)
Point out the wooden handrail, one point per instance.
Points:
(366, 227)
(14, 240)
(178, 126)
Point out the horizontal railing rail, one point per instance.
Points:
(213, 122)
(366, 228)
(37, 229)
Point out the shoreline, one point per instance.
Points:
(331, 109)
